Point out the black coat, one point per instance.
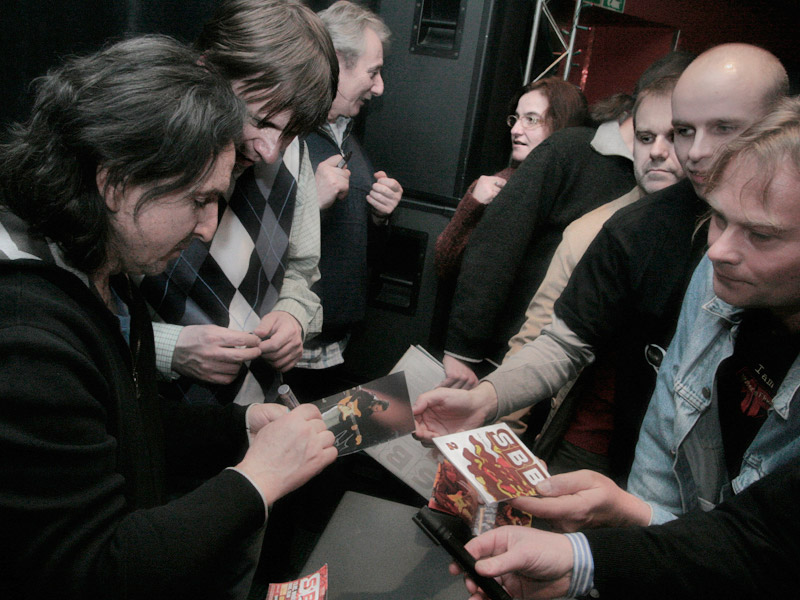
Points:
(86, 447)
(625, 295)
(747, 547)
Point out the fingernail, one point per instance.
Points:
(544, 487)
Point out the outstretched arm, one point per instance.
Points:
(447, 410)
(745, 548)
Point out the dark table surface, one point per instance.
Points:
(374, 550)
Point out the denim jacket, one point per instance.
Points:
(679, 464)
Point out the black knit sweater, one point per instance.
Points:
(86, 447)
(509, 251)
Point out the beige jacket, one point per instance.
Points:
(574, 242)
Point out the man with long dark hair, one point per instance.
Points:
(119, 168)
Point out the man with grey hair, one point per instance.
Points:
(355, 200)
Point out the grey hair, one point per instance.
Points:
(346, 22)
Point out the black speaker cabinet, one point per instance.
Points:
(402, 299)
(451, 71)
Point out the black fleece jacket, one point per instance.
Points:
(86, 446)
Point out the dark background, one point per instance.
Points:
(440, 123)
(614, 50)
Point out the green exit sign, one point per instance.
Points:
(615, 5)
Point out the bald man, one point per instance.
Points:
(623, 299)
(720, 94)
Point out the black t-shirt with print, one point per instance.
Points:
(750, 378)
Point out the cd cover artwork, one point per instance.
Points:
(368, 414)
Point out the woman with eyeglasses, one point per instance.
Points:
(540, 108)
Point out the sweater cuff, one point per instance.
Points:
(659, 515)
(297, 310)
(464, 358)
(473, 210)
(258, 489)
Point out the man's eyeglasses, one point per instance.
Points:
(528, 121)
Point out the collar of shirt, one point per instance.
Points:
(608, 141)
(338, 129)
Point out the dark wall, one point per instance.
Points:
(632, 40)
(441, 120)
(37, 34)
(704, 23)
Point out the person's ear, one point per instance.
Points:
(106, 191)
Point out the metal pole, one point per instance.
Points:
(561, 57)
(572, 35)
(537, 17)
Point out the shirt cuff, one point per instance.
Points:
(165, 336)
(659, 515)
(260, 493)
(582, 580)
(463, 358)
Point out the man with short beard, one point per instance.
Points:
(126, 156)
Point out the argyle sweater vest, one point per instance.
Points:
(234, 280)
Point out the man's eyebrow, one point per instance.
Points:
(764, 226)
(266, 122)
(207, 196)
(730, 122)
